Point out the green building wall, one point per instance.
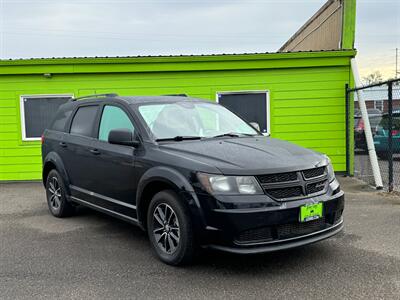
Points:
(306, 90)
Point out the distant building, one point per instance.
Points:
(377, 97)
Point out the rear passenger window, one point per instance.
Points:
(113, 118)
(84, 119)
(60, 120)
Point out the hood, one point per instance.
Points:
(247, 155)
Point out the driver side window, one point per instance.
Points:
(113, 117)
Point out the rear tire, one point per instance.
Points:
(170, 230)
(56, 197)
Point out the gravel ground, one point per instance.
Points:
(92, 256)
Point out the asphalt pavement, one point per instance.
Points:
(93, 256)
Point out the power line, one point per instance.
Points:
(143, 38)
(235, 34)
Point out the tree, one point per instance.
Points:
(373, 78)
(395, 83)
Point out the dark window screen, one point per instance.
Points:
(39, 112)
(252, 107)
(83, 122)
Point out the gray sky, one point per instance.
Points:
(57, 28)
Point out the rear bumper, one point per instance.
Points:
(382, 144)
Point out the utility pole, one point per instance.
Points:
(397, 70)
(2, 16)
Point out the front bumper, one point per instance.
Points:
(284, 244)
(275, 226)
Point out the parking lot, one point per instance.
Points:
(94, 256)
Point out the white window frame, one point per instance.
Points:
(380, 101)
(22, 110)
(267, 104)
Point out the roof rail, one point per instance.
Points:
(177, 95)
(95, 96)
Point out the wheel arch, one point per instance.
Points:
(53, 161)
(158, 179)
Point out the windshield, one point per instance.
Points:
(192, 119)
(374, 121)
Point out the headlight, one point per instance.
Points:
(331, 172)
(231, 185)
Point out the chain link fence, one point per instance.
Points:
(383, 107)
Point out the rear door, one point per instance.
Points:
(251, 106)
(54, 136)
(79, 157)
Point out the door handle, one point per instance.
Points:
(62, 144)
(95, 151)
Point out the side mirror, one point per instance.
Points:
(255, 125)
(122, 136)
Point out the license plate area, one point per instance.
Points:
(311, 212)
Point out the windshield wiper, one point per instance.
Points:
(232, 134)
(179, 138)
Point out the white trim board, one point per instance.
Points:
(22, 110)
(267, 98)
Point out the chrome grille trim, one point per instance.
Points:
(304, 186)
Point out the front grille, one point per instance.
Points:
(279, 177)
(316, 187)
(289, 192)
(294, 185)
(254, 235)
(312, 173)
(296, 229)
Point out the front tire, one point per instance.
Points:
(170, 229)
(56, 197)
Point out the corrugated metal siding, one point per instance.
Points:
(307, 103)
(322, 32)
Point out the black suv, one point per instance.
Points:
(189, 172)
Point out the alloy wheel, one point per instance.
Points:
(55, 193)
(166, 229)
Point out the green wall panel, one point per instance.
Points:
(307, 100)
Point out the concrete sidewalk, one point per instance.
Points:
(95, 256)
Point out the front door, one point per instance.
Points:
(251, 106)
(114, 168)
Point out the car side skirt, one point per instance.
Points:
(106, 211)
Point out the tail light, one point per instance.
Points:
(42, 139)
(395, 132)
